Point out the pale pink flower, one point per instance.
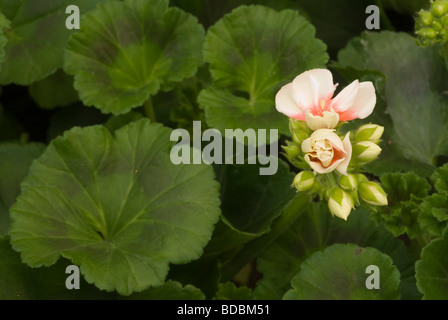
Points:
(325, 151)
(309, 97)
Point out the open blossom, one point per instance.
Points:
(325, 151)
(309, 97)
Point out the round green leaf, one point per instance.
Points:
(125, 51)
(339, 272)
(36, 37)
(252, 52)
(54, 91)
(432, 270)
(115, 205)
(12, 175)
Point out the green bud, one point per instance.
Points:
(340, 203)
(292, 150)
(437, 26)
(439, 8)
(427, 33)
(369, 132)
(361, 178)
(348, 182)
(299, 130)
(372, 193)
(444, 21)
(299, 136)
(303, 181)
(426, 17)
(366, 151)
(355, 197)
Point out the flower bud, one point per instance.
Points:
(299, 130)
(439, 8)
(437, 26)
(444, 21)
(292, 150)
(348, 182)
(361, 178)
(303, 181)
(340, 203)
(366, 151)
(369, 132)
(372, 193)
(426, 17)
(355, 197)
(428, 33)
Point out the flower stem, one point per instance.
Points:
(331, 180)
(149, 110)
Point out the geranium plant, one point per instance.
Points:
(96, 94)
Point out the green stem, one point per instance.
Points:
(289, 215)
(331, 180)
(149, 110)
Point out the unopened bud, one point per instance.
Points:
(348, 182)
(361, 178)
(444, 21)
(439, 8)
(292, 150)
(426, 17)
(365, 151)
(437, 26)
(428, 33)
(369, 132)
(299, 131)
(372, 193)
(303, 181)
(340, 203)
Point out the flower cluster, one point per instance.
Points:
(431, 26)
(331, 162)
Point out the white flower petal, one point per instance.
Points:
(342, 168)
(365, 101)
(287, 104)
(345, 99)
(329, 120)
(306, 146)
(325, 80)
(332, 117)
(311, 87)
(317, 166)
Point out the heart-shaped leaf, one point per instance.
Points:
(36, 36)
(252, 52)
(125, 51)
(116, 206)
(341, 272)
(432, 270)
